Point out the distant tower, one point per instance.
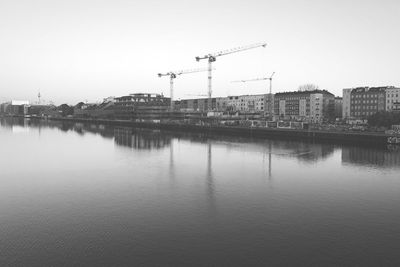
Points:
(39, 96)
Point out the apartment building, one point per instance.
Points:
(314, 105)
(392, 99)
(346, 103)
(366, 101)
(198, 104)
(362, 102)
(338, 107)
(250, 103)
(244, 103)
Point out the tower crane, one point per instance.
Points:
(172, 75)
(213, 57)
(270, 88)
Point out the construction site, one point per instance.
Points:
(295, 109)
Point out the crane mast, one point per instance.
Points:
(172, 75)
(212, 57)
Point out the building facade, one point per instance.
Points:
(141, 99)
(362, 102)
(242, 103)
(346, 103)
(198, 104)
(15, 107)
(221, 104)
(250, 103)
(145, 104)
(366, 101)
(338, 107)
(311, 106)
(393, 99)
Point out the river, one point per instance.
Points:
(94, 195)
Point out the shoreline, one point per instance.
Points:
(364, 138)
(336, 137)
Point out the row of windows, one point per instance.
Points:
(364, 101)
(293, 98)
(362, 113)
(388, 95)
(262, 99)
(365, 96)
(243, 108)
(364, 107)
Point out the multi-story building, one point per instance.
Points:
(366, 101)
(392, 99)
(15, 107)
(221, 103)
(338, 107)
(143, 103)
(140, 99)
(198, 104)
(4, 107)
(362, 102)
(346, 103)
(314, 105)
(250, 103)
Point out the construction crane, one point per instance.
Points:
(172, 75)
(213, 57)
(270, 88)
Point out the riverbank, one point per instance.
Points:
(368, 138)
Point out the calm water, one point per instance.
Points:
(85, 195)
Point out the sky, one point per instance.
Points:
(86, 50)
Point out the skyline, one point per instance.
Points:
(94, 49)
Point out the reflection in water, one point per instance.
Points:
(210, 182)
(156, 139)
(269, 164)
(365, 156)
(205, 201)
(269, 160)
(141, 138)
(303, 151)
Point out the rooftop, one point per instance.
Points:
(317, 91)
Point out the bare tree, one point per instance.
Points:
(308, 87)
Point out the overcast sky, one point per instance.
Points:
(90, 49)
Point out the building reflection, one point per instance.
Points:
(306, 152)
(365, 156)
(141, 138)
(9, 123)
(210, 185)
(302, 151)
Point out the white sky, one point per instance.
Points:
(90, 49)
